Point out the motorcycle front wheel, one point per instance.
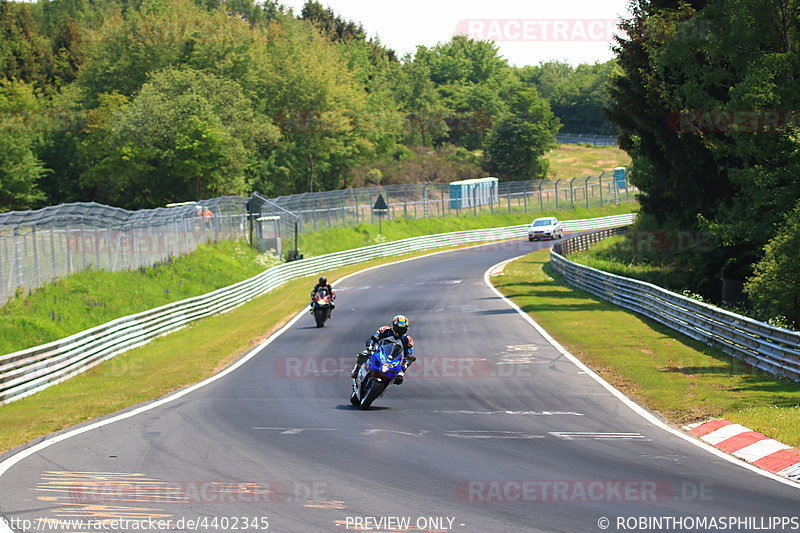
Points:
(372, 390)
(320, 315)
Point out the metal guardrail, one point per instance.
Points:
(584, 241)
(770, 348)
(25, 372)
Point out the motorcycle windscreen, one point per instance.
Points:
(387, 360)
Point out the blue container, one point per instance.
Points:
(621, 178)
(474, 192)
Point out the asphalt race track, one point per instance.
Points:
(493, 431)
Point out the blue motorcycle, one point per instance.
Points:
(377, 373)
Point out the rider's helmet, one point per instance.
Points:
(400, 325)
(323, 280)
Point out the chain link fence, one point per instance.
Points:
(348, 207)
(39, 246)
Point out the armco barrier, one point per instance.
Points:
(770, 348)
(28, 371)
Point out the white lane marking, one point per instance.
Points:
(294, 431)
(521, 359)
(593, 435)
(725, 433)
(523, 413)
(520, 355)
(633, 406)
(392, 431)
(521, 348)
(489, 434)
(440, 282)
(6, 464)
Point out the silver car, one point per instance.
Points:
(545, 228)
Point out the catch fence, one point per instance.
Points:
(37, 247)
(348, 207)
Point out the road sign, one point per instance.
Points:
(380, 205)
(381, 209)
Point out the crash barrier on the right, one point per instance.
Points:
(770, 348)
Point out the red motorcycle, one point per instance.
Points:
(323, 304)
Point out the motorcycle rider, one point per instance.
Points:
(322, 283)
(398, 330)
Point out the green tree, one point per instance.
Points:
(187, 135)
(427, 113)
(20, 169)
(774, 287)
(684, 68)
(577, 95)
(326, 124)
(331, 25)
(25, 53)
(520, 138)
(473, 81)
(128, 47)
(62, 131)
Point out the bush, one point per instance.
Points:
(774, 288)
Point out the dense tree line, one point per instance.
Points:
(706, 98)
(137, 103)
(577, 95)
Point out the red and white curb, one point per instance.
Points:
(752, 446)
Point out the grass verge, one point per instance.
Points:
(166, 364)
(618, 255)
(683, 380)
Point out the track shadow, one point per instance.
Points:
(507, 311)
(348, 407)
